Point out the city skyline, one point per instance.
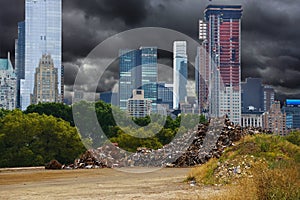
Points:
(271, 44)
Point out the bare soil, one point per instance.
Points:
(100, 184)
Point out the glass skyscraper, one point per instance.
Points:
(138, 70)
(180, 73)
(20, 58)
(43, 35)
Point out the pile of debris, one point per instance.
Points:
(195, 147)
(211, 142)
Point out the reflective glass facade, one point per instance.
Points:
(180, 73)
(138, 70)
(43, 35)
(20, 58)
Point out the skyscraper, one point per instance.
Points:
(138, 70)
(221, 37)
(127, 65)
(20, 58)
(43, 35)
(45, 82)
(8, 85)
(180, 73)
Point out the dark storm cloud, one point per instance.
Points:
(11, 12)
(270, 32)
(271, 45)
(132, 12)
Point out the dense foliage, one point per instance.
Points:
(32, 139)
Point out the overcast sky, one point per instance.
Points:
(270, 32)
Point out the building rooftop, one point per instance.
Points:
(227, 11)
(293, 102)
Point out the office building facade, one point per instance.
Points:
(165, 95)
(138, 106)
(43, 35)
(8, 85)
(292, 111)
(274, 120)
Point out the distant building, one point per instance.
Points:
(165, 95)
(138, 106)
(180, 73)
(8, 85)
(138, 70)
(274, 120)
(62, 86)
(78, 96)
(252, 95)
(252, 119)
(269, 97)
(292, 111)
(202, 77)
(45, 82)
(189, 105)
(109, 97)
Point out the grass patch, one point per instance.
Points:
(268, 168)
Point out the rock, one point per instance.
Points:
(53, 164)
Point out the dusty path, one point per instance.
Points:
(99, 184)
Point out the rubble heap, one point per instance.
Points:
(195, 147)
(210, 142)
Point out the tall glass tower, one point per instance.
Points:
(138, 70)
(221, 32)
(180, 73)
(43, 35)
(20, 58)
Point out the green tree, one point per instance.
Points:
(57, 110)
(33, 139)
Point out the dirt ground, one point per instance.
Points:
(99, 184)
